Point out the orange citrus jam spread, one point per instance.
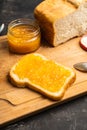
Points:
(44, 73)
(23, 38)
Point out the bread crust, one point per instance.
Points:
(60, 23)
(77, 3)
(52, 95)
(47, 12)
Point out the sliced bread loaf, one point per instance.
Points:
(71, 26)
(42, 75)
(61, 22)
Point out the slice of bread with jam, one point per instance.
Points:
(42, 75)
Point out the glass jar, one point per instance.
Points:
(23, 36)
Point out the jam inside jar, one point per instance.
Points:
(23, 36)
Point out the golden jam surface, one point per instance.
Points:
(23, 38)
(44, 73)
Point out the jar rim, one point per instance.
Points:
(24, 21)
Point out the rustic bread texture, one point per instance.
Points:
(52, 84)
(48, 12)
(61, 23)
(76, 2)
(72, 25)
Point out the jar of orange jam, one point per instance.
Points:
(23, 36)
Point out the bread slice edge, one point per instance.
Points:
(52, 95)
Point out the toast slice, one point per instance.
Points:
(42, 75)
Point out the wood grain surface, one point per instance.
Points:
(16, 103)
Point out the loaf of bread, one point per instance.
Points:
(42, 75)
(60, 20)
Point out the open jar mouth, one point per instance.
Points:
(31, 25)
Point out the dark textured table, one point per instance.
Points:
(68, 116)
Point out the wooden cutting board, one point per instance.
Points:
(16, 103)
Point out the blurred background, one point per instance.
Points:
(13, 9)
